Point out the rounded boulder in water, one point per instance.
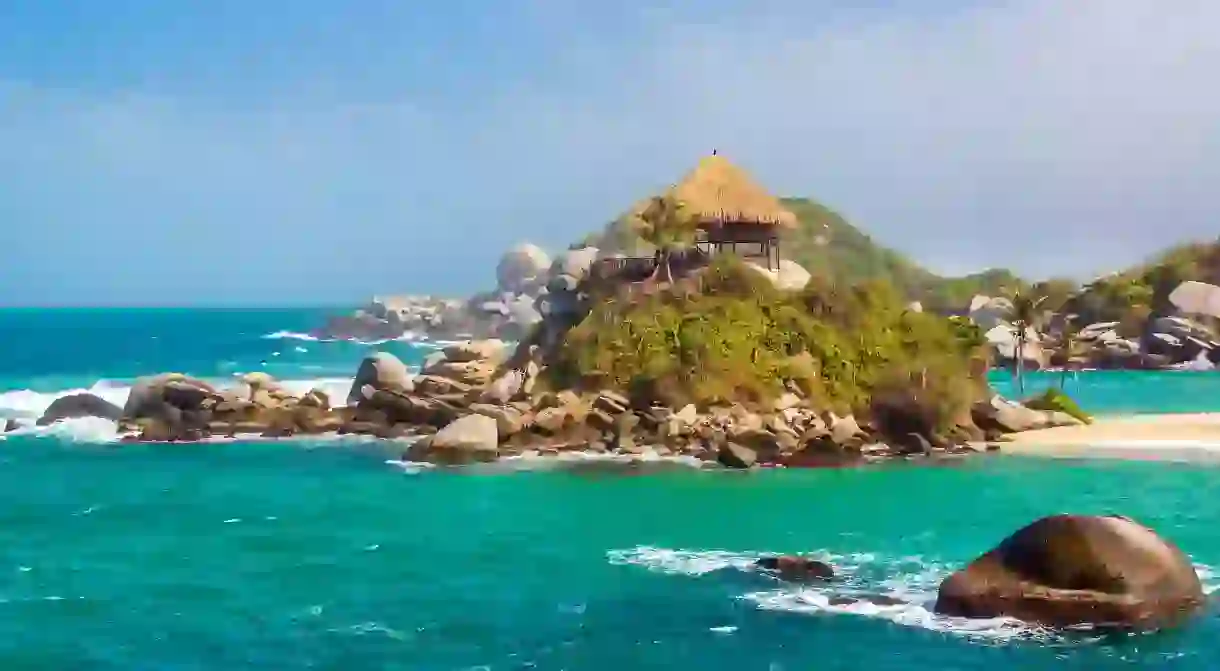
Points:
(1078, 570)
(74, 406)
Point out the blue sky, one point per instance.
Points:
(173, 152)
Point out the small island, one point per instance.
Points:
(711, 347)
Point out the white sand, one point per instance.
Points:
(1183, 437)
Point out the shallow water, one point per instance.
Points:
(299, 555)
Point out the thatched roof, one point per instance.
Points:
(719, 192)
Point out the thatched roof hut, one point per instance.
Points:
(720, 193)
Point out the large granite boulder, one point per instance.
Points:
(1078, 570)
(574, 263)
(149, 395)
(381, 371)
(73, 406)
(468, 439)
(1001, 414)
(791, 276)
(171, 406)
(520, 268)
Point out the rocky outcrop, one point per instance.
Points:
(528, 285)
(795, 568)
(175, 407)
(1004, 416)
(74, 406)
(1070, 570)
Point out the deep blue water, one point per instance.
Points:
(321, 555)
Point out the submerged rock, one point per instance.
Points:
(795, 568)
(79, 405)
(1069, 570)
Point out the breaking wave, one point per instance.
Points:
(26, 406)
(912, 580)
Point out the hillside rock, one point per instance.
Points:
(791, 275)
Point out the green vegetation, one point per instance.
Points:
(667, 226)
(1057, 401)
(831, 248)
(1026, 312)
(727, 335)
(1131, 296)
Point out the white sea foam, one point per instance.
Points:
(291, 335)
(409, 336)
(912, 580)
(532, 460)
(26, 406)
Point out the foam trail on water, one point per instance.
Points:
(409, 336)
(913, 580)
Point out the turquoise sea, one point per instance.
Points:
(321, 555)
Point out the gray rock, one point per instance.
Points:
(475, 350)
(733, 455)
(149, 394)
(504, 388)
(575, 263)
(520, 266)
(380, 370)
(476, 435)
(79, 405)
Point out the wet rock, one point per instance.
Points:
(79, 405)
(795, 568)
(168, 407)
(1068, 570)
(883, 600)
(733, 455)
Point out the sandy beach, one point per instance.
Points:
(1175, 437)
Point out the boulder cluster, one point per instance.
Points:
(1164, 341)
(529, 284)
(476, 401)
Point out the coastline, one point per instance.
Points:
(1157, 437)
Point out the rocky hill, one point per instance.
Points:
(830, 247)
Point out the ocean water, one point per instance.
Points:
(325, 555)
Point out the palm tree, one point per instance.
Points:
(667, 224)
(1025, 315)
(1067, 346)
